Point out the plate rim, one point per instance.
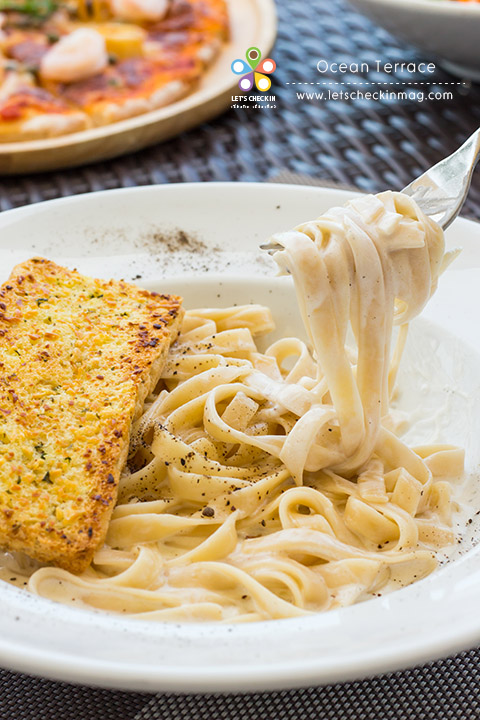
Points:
(445, 7)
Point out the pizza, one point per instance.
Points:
(68, 65)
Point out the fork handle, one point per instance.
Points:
(446, 184)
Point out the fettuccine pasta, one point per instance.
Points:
(265, 485)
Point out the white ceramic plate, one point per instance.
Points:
(207, 237)
(443, 30)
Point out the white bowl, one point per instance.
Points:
(443, 30)
(124, 233)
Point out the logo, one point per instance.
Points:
(254, 71)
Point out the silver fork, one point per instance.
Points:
(441, 191)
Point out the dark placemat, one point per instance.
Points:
(370, 145)
(445, 690)
(373, 145)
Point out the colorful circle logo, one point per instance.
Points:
(254, 71)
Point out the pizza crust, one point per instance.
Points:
(106, 112)
(38, 127)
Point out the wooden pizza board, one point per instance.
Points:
(253, 22)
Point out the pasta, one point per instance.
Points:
(273, 485)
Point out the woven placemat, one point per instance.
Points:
(445, 690)
(368, 145)
(372, 145)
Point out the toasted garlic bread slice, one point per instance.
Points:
(78, 356)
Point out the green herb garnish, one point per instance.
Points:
(36, 8)
(40, 450)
